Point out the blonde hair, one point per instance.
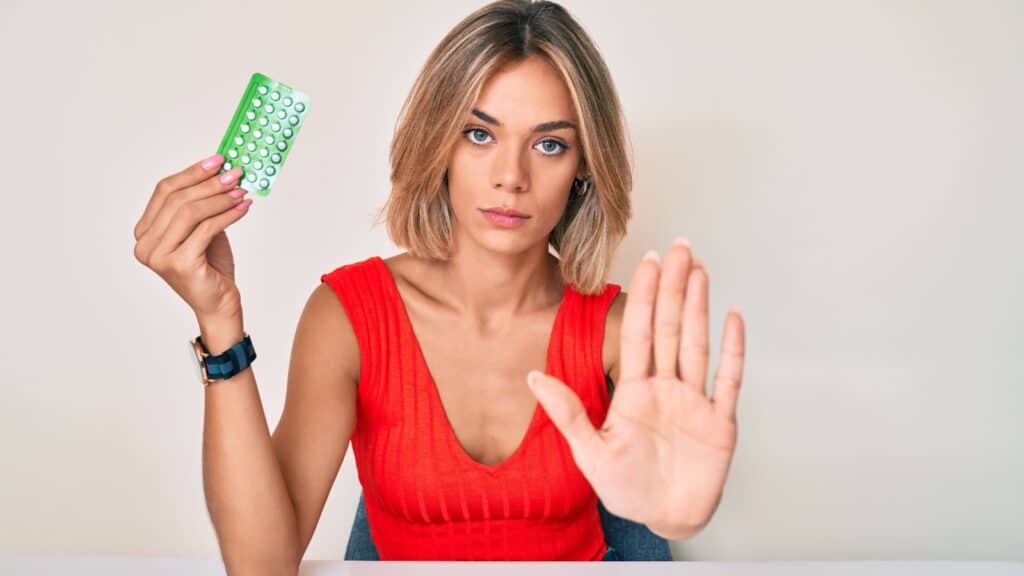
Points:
(418, 211)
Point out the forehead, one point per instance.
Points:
(526, 92)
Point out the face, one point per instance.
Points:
(518, 150)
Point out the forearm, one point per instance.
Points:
(246, 494)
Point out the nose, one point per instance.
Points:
(509, 172)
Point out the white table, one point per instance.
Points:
(133, 566)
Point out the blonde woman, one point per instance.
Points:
(493, 385)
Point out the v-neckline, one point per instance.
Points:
(435, 393)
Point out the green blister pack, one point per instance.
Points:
(262, 132)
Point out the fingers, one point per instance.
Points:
(154, 240)
(636, 337)
(668, 310)
(188, 177)
(567, 413)
(202, 216)
(200, 239)
(730, 366)
(694, 350)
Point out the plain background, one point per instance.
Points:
(849, 171)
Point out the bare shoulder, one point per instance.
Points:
(324, 326)
(612, 329)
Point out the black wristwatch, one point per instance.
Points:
(223, 366)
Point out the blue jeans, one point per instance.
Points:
(627, 540)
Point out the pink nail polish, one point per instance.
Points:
(244, 205)
(652, 255)
(682, 241)
(237, 193)
(230, 175)
(212, 161)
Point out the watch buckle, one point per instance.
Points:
(202, 354)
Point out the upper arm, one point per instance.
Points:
(612, 329)
(319, 409)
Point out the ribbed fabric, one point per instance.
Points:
(426, 498)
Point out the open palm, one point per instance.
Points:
(663, 453)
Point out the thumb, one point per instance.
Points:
(566, 411)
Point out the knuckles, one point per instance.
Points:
(186, 211)
(140, 255)
(163, 187)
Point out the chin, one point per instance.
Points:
(505, 243)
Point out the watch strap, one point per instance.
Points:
(231, 361)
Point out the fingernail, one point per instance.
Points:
(698, 262)
(244, 205)
(230, 175)
(531, 378)
(682, 241)
(652, 255)
(237, 192)
(212, 161)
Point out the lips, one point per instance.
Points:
(506, 212)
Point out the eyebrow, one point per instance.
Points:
(542, 127)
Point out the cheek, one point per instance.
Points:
(466, 164)
(554, 209)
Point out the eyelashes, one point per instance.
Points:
(561, 146)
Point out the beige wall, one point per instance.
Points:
(849, 171)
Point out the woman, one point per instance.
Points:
(470, 372)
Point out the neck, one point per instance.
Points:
(490, 289)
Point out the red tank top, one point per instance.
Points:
(426, 498)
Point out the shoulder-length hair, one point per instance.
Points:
(418, 211)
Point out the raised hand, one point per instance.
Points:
(663, 453)
(181, 236)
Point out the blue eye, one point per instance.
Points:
(559, 147)
(470, 133)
